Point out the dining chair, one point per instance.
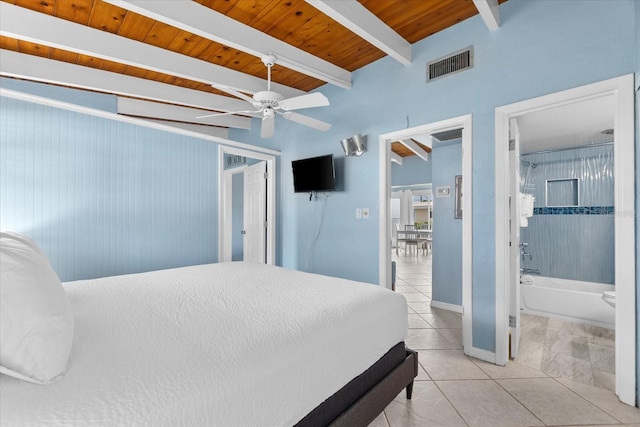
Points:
(411, 238)
(399, 239)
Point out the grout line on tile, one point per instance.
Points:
(386, 417)
(521, 403)
(450, 402)
(587, 400)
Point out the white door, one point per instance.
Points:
(514, 236)
(255, 213)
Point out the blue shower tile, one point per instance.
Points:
(577, 210)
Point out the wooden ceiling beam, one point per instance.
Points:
(30, 67)
(411, 145)
(396, 158)
(489, 12)
(424, 141)
(133, 120)
(203, 129)
(35, 27)
(149, 109)
(208, 23)
(356, 18)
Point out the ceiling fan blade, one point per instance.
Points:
(234, 93)
(307, 121)
(227, 114)
(309, 100)
(268, 127)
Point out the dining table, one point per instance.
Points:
(425, 236)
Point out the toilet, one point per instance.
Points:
(610, 298)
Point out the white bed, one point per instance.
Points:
(231, 344)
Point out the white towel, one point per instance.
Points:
(526, 205)
(524, 222)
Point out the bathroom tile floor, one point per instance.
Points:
(576, 351)
(456, 390)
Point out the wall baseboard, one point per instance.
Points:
(446, 306)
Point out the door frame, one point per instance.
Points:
(227, 183)
(384, 257)
(224, 199)
(622, 89)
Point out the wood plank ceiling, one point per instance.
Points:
(295, 22)
(403, 151)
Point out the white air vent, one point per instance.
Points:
(453, 63)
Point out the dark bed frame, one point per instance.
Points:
(365, 397)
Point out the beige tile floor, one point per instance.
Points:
(577, 351)
(455, 390)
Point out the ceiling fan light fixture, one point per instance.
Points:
(268, 113)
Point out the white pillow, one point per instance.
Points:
(36, 322)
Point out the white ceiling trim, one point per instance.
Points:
(396, 158)
(141, 108)
(25, 24)
(424, 139)
(133, 120)
(489, 12)
(424, 155)
(203, 129)
(35, 68)
(197, 19)
(359, 20)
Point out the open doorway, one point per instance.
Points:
(245, 182)
(463, 125)
(247, 195)
(571, 155)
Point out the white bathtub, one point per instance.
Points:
(568, 300)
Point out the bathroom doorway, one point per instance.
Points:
(564, 239)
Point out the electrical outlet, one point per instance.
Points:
(358, 213)
(365, 213)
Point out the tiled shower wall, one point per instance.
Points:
(571, 242)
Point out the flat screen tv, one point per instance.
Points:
(314, 174)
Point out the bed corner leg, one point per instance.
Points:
(409, 390)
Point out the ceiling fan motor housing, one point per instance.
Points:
(267, 98)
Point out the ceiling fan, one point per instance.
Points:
(268, 104)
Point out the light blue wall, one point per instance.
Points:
(447, 230)
(103, 197)
(413, 170)
(574, 244)
(541, 47)
(237, 214)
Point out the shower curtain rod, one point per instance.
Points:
(555, 150)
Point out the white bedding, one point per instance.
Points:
(232, 344)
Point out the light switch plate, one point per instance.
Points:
(443, 191)
(358, 213)
(365, 213)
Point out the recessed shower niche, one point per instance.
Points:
(562, 192)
